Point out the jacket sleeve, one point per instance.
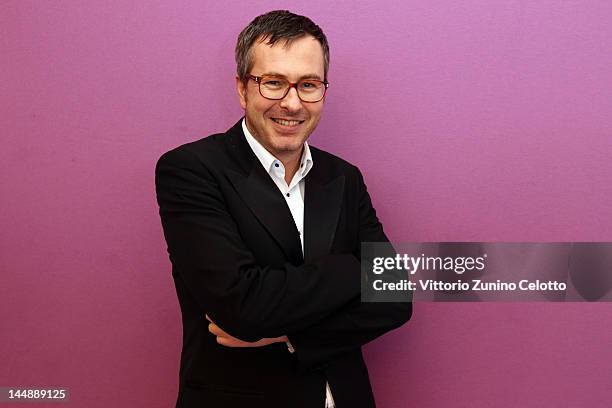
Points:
(356, 323)
(249, 301)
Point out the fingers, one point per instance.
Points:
(232, 342)
(223, 338)
(217, 331)
(214, 329)
(228, 340)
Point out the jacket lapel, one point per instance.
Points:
(323, 200)
(262, 196)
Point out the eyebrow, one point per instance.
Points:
(307, 76)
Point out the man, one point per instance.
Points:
(264, 235)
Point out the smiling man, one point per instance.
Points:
(264, 235)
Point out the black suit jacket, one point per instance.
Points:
(236, 256)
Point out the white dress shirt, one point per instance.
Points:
(294, 196)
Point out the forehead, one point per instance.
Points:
(303, 56)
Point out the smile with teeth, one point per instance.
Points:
(287, 122)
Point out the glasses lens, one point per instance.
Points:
(311, 90)
(273, 87)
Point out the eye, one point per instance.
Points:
(309, 85)
(274, 84)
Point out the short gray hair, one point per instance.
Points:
(277, 25)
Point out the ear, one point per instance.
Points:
(241, 88)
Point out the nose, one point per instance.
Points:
(291, 101)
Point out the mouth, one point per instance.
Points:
(287, 123)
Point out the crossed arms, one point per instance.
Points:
(316, 305)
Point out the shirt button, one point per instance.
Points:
(288, 195)
(276, 164)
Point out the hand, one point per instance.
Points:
(228, 340)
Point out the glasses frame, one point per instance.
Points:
(257, 79)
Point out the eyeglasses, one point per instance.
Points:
(276, 88)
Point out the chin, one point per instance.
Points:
(282, 144)
(288, 147)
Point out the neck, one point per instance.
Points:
(291, 161)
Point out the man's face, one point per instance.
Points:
(303, 59)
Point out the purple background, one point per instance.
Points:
(473, 120)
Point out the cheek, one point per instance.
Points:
(258, 106)
(315, 112)
(265, 110)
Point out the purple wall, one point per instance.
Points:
(473, 120)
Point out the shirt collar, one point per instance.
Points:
(268, 160)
